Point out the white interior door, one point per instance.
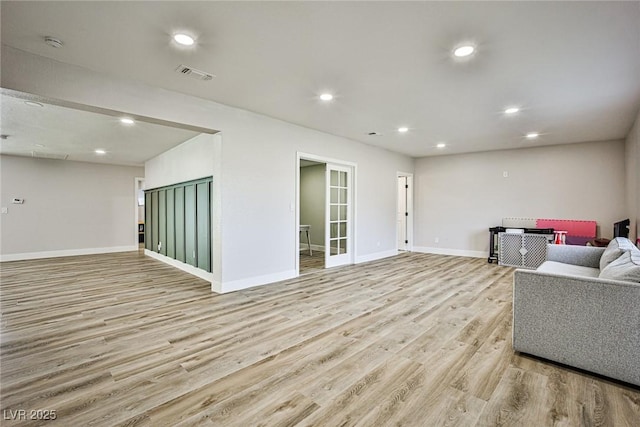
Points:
(338, 233)
(402, 213)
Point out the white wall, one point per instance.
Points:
(70, 208)
(193, 159)
(458, 197)
(312, 207)
(632, 178)
(259, 160)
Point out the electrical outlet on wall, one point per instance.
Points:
(436, 240)
(505, 174)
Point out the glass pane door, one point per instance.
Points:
(338, 227)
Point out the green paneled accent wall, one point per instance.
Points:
(190, 224)
(202, 225)
(179, 217)
(154, 221)
(162, 221)
(147, 221)
(179, 211)
(171, 224)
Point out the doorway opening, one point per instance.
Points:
(312, 216)
(405, 212)
(324, 215)
(139, 209)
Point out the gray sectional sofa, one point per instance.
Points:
(581, 307)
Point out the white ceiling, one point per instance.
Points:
(53, 131)
(572, 67)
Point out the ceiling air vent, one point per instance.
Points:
(196, 74)
(42, 155)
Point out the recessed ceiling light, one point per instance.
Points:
(441, 145)
(100, 151)
(127, 121)
(326, 97)
(511, 110)
(53, 42)
(533, 135)
(33, 104)
(463, 51)
(184, 39)
(403, 129)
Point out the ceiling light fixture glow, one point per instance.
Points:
(403, 129)
(463, 51)
(184, 39)
(33, 104)
(100, 151)
(532, 135)
(127, 121)
(441, 145)
(326, 97)
(511, 110)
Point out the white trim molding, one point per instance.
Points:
(453, 252)
(66, 252)
(376, 256)
(251, 282)
(198, 272)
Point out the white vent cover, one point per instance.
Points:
(42, 155)
(196, 74)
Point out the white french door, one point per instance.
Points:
(338, 233)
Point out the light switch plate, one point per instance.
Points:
(4, 210)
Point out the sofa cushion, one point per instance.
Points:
(625, 268)
(554, 267)
(616, 247)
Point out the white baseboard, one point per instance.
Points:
(251, 282)
(205, 275)
(224, 287)
(66, 252)
(454, 252)
(376, 256)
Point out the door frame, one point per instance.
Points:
(337, 259)
(353, 206)
(136, 182)
(409, 177)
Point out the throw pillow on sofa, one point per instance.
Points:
(625, 268)
(616, 247)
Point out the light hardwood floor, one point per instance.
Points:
(311, 263)
(412, 340)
